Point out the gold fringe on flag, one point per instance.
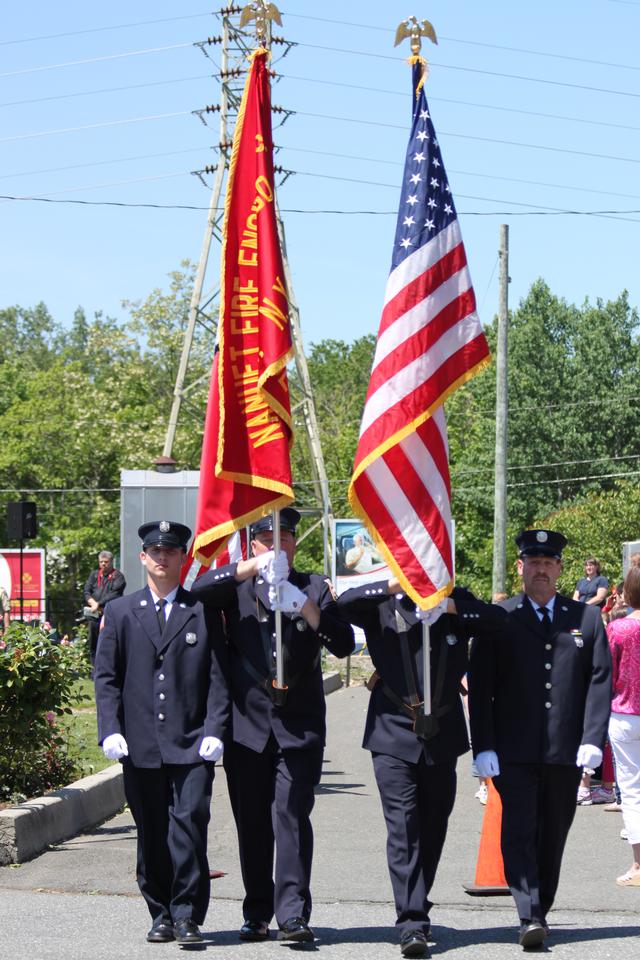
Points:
(425, 70)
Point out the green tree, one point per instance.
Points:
(572, 380)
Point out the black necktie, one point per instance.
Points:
(546, 620)
(162, 620)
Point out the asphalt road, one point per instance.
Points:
(80, 900)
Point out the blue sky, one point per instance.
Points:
(536, 109)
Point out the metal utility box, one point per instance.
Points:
(151, 495)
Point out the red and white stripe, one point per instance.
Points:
(430, 341)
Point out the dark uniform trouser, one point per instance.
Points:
(171, 807)
(416, 801)
(538, 807)
(272, 796)
(93, 635)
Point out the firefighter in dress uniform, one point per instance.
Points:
(414, 762)
(539, 703)
(274, 758)
(163, 706)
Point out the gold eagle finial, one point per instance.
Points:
(261, 12)
(412, 28)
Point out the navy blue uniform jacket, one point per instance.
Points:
(301, 721)
(535, 698)
(162, 692)
(388, 729)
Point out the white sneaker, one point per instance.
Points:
(482, 793)
(603, 795)
(584, 797)
(624, 835)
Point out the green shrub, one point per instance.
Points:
(36, 687)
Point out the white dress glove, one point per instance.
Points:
(430, 616)
(211, 749)
(588, 756)
(487, 764)
(273, 569)
(290, 599)
(115, 747)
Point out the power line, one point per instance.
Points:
(466, 136)
(91, 93)
(544, 466)
(549, 483)
(322, 153)
(102, 163)
(463, 103)
(474, 43)
(465, 196)
(118, 183)
(491, 46)
(117, 26)
(464, 173)
(335, 212)
(111, 56)
(488, 73)
(95, 126)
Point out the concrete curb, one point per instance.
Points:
(29, 828)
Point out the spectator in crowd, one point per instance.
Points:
(104, 584)
(5, 610)
(614, 605)
(624, 723)
(593, 587)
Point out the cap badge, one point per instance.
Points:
(541, 536)
(165, 526)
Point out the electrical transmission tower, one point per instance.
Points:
(235, 44)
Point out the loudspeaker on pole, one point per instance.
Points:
(22, 523)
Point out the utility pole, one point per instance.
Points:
(235, 45)
(502, 404)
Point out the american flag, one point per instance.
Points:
(430, 341)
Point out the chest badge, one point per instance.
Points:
(301, 624)
(452, 639)
(577, 636)
(191, 638)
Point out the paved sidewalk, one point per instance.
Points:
(80, 900)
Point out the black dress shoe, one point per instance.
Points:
(531, 934)
(414, 944)
(161, 932)
(186, 931)
(296, 929)
(254, 930)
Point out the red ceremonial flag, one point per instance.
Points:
(430, 342)
(245, 470)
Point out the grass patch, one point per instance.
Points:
(81, 732)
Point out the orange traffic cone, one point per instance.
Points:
(490, 880)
